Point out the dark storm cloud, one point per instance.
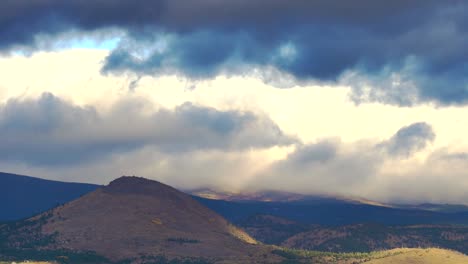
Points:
(421, 42)
(184, 16)
(50, 131)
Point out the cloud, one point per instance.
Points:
(325, 167)
(409, 140)
(311, 40)
(52, 132)
(183, 16)
(320, 152)
(365, 168)
(440, 178)
(192, 147)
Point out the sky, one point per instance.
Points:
(357, 98)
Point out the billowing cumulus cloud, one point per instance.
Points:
(381, 49)
(52, 132)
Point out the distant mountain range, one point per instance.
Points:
(23, 196)
(332, 212)
(280, 196)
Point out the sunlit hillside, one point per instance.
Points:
(394, 256)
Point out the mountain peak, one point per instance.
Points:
(139, 185)
(130, 179)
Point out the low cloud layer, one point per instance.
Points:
(51, 132)
(395, 52)
(384, 171)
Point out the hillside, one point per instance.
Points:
(23, 196)
(371, 237)
(354, 238)
(133, 218)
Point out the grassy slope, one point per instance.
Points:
(394, 256)
(423, 256)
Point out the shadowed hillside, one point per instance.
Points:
(23, 196)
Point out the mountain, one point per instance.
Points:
(132, 219)
(23, 196)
